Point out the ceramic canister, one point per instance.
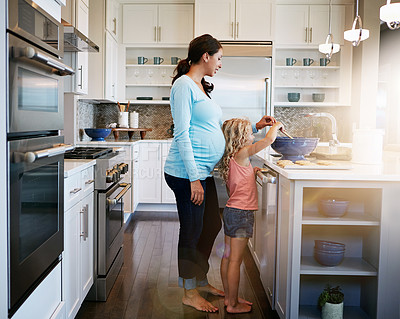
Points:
(134, 120)
(123, 119)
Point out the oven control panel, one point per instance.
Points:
(113, 174)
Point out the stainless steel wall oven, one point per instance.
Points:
(35, 118)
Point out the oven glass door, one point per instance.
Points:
(36, 91)
(36, 214)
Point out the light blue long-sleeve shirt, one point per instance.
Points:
(198, 143)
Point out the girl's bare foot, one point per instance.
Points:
(211, 290)
(240, 300)
(193, 299)
(239, 308)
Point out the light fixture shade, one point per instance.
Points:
(326, 48)
(354, 34)
(390, 12)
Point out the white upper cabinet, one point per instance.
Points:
(112, 20)
(308, 24)
(157, 24)
(111, 66)
(76, 13)
(234, 19)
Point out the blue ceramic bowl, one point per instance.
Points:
(294, 149)
(98, 134)
(293, 97)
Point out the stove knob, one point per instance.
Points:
(123, 168)
(109, 176)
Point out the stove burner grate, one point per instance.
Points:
(87, 152)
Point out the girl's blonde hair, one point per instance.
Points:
(235, 132)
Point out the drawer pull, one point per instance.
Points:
(75, 190)
(90, 181)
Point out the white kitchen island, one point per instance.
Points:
(370, 229)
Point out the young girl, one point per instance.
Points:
(238, 215)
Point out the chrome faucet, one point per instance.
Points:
(334, 140)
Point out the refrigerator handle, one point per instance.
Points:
(268, 109)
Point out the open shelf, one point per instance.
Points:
(150, 65)
(307, 104)
(307, 67)
(312, 312)
(307, 86)
(151, 84)
(348, 267)
(349, 219)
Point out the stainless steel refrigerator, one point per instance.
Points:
(242, 86)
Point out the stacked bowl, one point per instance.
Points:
(328, 253)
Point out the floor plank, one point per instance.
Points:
(147, 285)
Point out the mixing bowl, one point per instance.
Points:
(294, 149)
(328, 258)
(98, 134)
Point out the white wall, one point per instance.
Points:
(3, 157)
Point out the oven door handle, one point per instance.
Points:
(126, 187)
(62, 69)
(30, 157)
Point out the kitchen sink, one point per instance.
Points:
(342, 154)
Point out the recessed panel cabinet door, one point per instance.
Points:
(149, 174)
(139, 23)
(291, 24)
(175, 23)
(253, 20)
(319, 22)
(216, 18)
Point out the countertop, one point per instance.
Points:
(388, 171)
(73, 166)
(120, 143)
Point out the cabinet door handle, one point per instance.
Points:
(237, 30)
(90, 181)
(81, 76)
(155, 34)
(75, 190)
(306, 35)
(115, 25)
(233, 33)
(84, 222)
(311, 35)
(159, 34)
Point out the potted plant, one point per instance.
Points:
(331, 302)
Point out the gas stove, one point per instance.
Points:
(110, 167)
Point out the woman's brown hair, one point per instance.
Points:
(197, 47)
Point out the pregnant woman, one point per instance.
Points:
(197, 147)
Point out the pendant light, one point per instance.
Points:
(355, 36)
(390, 13)
(328, 48)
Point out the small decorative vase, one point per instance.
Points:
(332, 311)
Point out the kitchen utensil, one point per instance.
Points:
(294, 149)
(293, 97)
(286, 133)
(333, 207)
(98, 134)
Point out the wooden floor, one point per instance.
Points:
(147, 285)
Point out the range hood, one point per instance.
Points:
(75, 41)
(247, 48)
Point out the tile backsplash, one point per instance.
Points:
(156, 117)
(159, 119)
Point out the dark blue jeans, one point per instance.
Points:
(199, 226)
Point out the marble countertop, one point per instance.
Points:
(388, 171)
(73, 166)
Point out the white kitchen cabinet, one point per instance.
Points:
(111, 67)
(149, 174)
(234, 19)
(308, 24)
(157, 24)
(112, 21)
(46, 300)
(78, 239)
(77, 14)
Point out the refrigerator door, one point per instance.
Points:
(241, 87)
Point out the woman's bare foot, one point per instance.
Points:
(193, 299)
(239, 308)
(211, 290)
(240, 300)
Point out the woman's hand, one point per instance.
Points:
(197, 192)
(266, 120)
(256, 169)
